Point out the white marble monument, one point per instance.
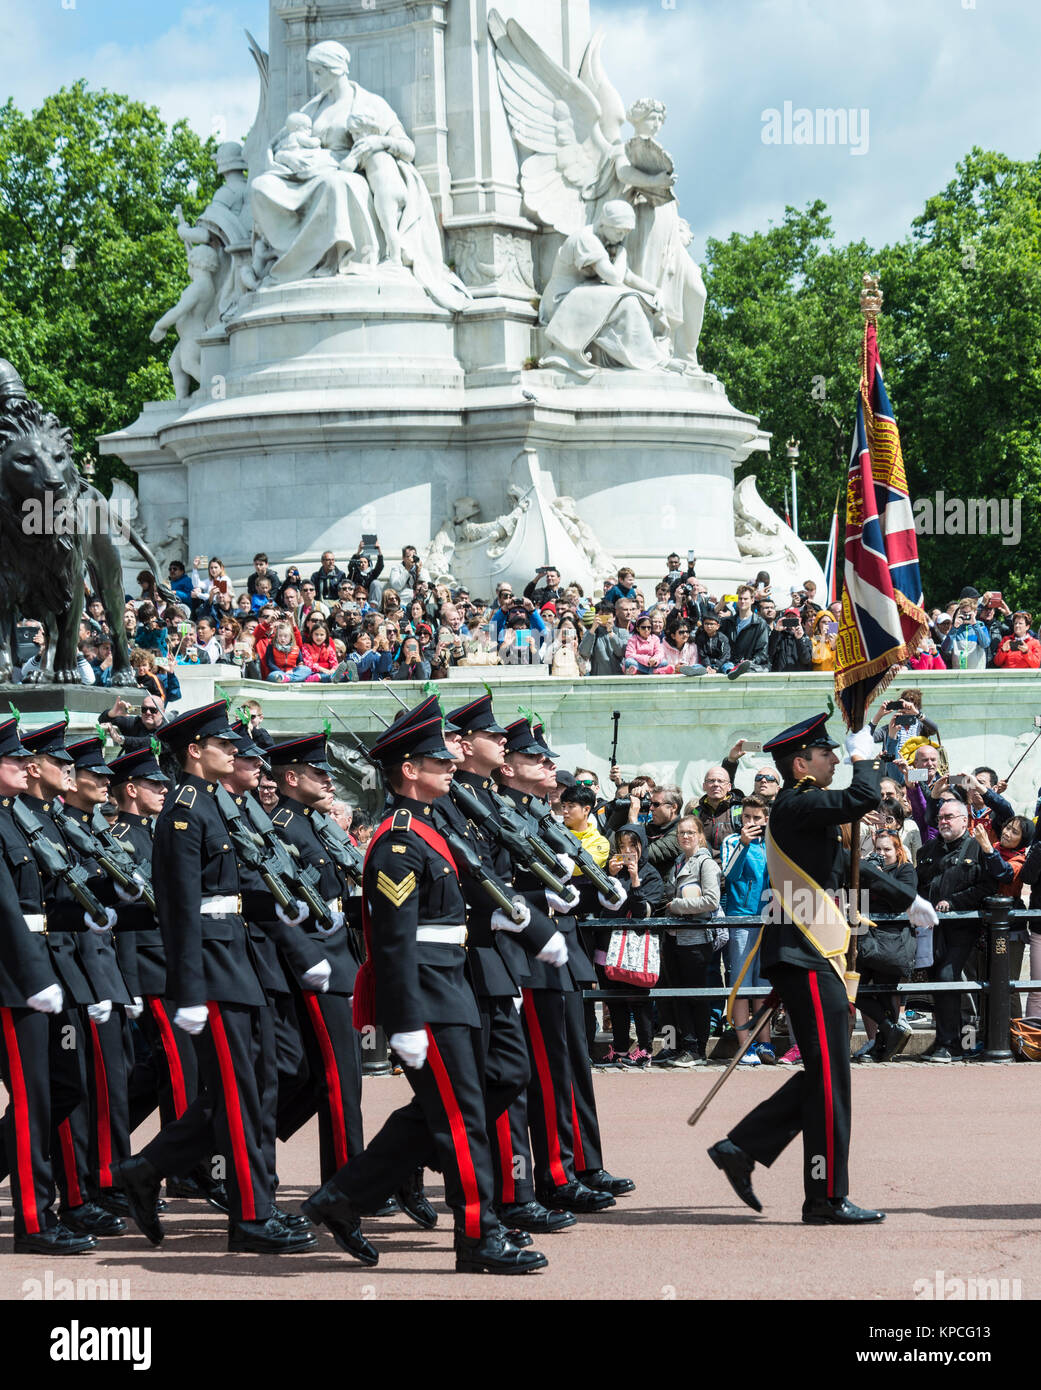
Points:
(448, 299)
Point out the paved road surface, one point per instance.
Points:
(950, 1153)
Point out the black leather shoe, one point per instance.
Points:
(140, 1181)
(575, 1196)
(600, 1181)
(292, 1220)
(533, 1216)
(331, 1207)
(388, 1208)
(55, 1240)
(890, 1042)
(414, 1203)
(92, 1220)
(737, 1168)
(520, 1240)
(838, 1211)
(184, 1189)
(494, 1254)
(268, 1237)
(113, 1201)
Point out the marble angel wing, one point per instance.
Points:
(257, 141)
(559, 119)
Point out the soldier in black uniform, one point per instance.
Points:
(109, 1132)
(301, 771)
(281, 1063)
(550, 1114)
(212, 979)
(30, 997)
(499, 951)
(85, 963)
(414, 986)
(804, 823)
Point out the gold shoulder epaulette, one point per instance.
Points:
(402, 820)
(282, 816)
(186, 796)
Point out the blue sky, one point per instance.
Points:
(934, 76)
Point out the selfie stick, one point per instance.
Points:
(616, 715)
(1030, 745)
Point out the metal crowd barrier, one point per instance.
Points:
(995, 914)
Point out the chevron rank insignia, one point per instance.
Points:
(396, 893)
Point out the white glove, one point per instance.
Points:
(502, 922)
(136, 1009)
(193, 1019)
(562, 904)
(317, 978)
(922, 913)
(100, 1012)
(337, 923)
(518, 1002)
(555, 951)
(47, 1001)
(567, 864)
(861, 744)
(618, 901)
(107, 925)
(126, 896)
(410, 1047)
(283, 916)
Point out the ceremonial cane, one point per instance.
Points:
(758, 1023)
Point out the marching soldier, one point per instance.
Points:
(333, 1088)
(212, 979)
(31, 1003)
(281, 1058)
(499, 951)
(139, 787)
(550, 1099)
(803, 956)
(85, 963)
(414, 986)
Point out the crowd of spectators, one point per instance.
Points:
(365, 621)
(951, 838)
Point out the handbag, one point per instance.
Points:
(633, 958)
(890, 952)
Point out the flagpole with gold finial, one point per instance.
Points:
(870, 308)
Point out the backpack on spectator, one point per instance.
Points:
(633, 958)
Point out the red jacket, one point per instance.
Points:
(1030, 659)
(270, 659)
(320, 658)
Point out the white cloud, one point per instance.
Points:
(198, 68)
(936, 79)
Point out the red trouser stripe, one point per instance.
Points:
(505, 1138)
(580, 1153)
(829, 1105)
(104, 1122)
(549, 1096)
(173, 1057)
(22, 1132)
(332, 1078)
(68, 1158)
(457, 1128)
(239, 1154)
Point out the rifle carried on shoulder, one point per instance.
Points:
(53, 861)
(285, 859)
(560, 838)
(251, 850)
(507, 828)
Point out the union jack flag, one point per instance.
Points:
(882, 616)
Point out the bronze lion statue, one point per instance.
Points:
(55, 530)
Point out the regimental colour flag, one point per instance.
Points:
(882, 616)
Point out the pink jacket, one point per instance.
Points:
(644, 649)
(687, 655)
(927, 661)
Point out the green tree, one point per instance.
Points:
(89, 254)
